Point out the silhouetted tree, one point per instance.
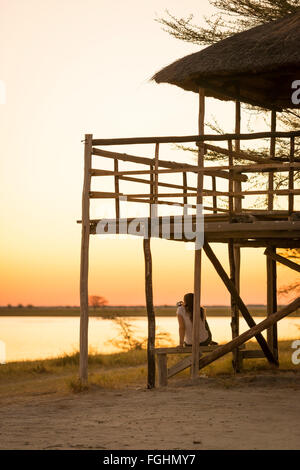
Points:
(97, 301)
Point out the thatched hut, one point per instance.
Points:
(256, 66)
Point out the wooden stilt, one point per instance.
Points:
(84, 262)
(150, 314)
(185, 199)
(291, 175)
(237, 358)
(155, 185)
(272, 155)
(214, 188)
(117, 190)
(197, 258)
(272, 335)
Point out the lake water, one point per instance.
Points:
(43, 337)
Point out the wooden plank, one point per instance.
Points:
(197, 255)
(287, 262)
(234, 308)
(272, 155)
(162, 370)
(204, 193)
(184, 168)
(234, 251)
(208, 170)
(185, 199)
(256, 226)
(181, 365)
(154, 187)
(252, 354)
(184, 350)
(150, 314)
(112, 195)
(230, 181)
(162, 163)
(223, 227)
(272, 302)
(160, 183)
(194, 138)
(254, 331)
(186, 362)
(291, 175)
(84, 261)
(242, 155)
(215, 200)
(252, 234)
(151, 189)
(237, 184)
(117, 190)
(266, 167)
(242, 307)
(261, 243)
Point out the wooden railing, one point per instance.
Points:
(234, 172)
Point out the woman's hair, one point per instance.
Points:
(189, 306)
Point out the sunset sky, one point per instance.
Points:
(72, 67)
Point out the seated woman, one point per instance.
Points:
(185, 321)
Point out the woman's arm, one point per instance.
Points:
(181, 329)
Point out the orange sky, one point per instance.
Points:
(72, 67)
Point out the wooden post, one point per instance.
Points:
(236, 356)
(185, 199)
(214, 188)
(162, 366)
(230, 181)
(291, 175)
(151, 190)
(272, 155)
(84, 262)
(235, 318)
(155, 185)
(272, 335)
(197, 258)
(117, 200)
(237, 184)
(150, 314)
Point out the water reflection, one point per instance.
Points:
(42, 337)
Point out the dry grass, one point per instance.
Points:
(112, 371)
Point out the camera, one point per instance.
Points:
(180, 303)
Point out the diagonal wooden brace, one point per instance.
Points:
(242, 307)
(282, 260)
(263, 325)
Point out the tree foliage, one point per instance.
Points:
(97, 301)
(232, 16)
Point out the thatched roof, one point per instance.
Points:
(261, 63)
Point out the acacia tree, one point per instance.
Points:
(231, 17)
(97, 301)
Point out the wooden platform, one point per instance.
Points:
(279, 230)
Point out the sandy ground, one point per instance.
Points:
(241, 413)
